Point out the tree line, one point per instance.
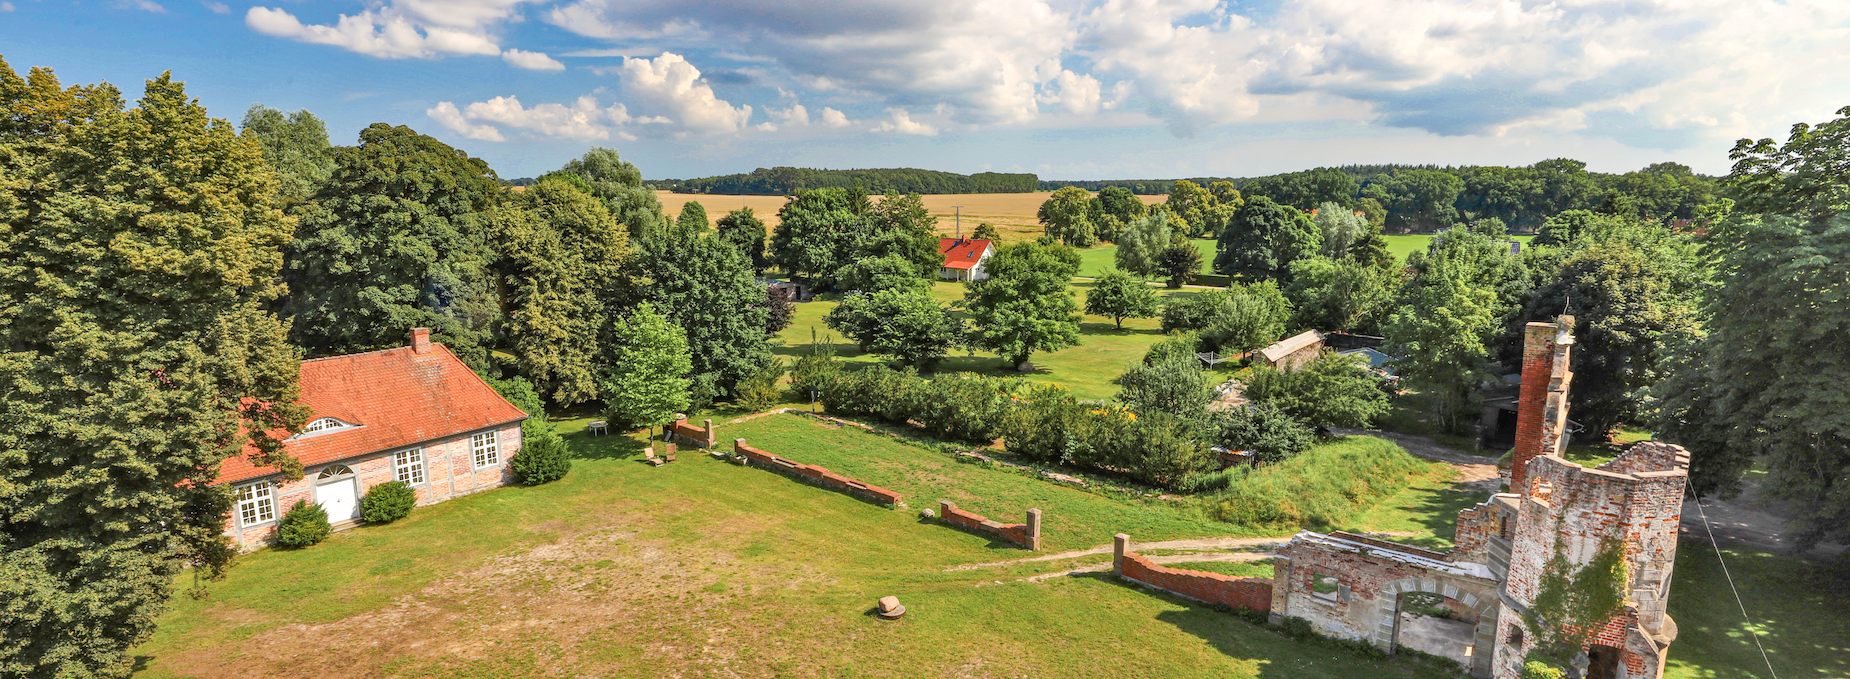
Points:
(783, 181)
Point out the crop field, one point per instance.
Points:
(1011, 213)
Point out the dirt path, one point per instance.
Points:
(1473, 470)
(1197, 544)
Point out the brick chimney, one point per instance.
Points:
(1541, 408)
(420, 340)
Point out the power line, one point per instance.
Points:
(1731, 588)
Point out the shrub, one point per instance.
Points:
(543, 456)
(304, 525)
(1332, 391)
(1323, 486)
(388, 502)
(815, 369)
(1157, 448)
(1177, 386)
(1263, 430)
(1536, 669)
(963, 406)
(759, 391)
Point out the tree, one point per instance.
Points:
(744, 231)
(986, 231)
(900, 226)
(873, 274)
(1190, 202)
(1119, 202)
(1808, 177)
(619, 184)
(1226, 194)
(1141, 245)
(1340, 295)
(1178, 263)
(1066, 217)
(1263, 430)
(1768, 385)
(1332, 391)
(779, 309)
(1305, 190)
(693, 217)
(1263, 239)
(1342, 229)
(296, 146)
(1234, 320)
(646, 381)
(560, 260)
(815, 235)
(904, 323)
(1422, 199)
(707, 288)
(1178, 386)
(1116, 296)
(139, 250)
(394, 240)
(1024, 306)
(1439, 332)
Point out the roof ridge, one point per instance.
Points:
(361, 353)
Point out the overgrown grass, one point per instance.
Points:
(1239, 569)
(1800, 609)
(1320, 488)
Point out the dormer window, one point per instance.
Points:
(322, 425)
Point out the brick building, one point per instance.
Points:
(414, 414)
(1354, 587)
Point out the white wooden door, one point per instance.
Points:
(339, 499)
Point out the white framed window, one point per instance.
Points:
(487, 450)
(323, 425)
(256, 504)
(409, 465)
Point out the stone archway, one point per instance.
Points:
(1476, 598)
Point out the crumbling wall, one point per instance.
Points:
(1253, 594)
(1024, 534)
(814, 474)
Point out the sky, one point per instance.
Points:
(1066, 90)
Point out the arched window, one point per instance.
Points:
(334, 470)
(1515, 636)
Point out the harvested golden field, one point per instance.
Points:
(1011, 213)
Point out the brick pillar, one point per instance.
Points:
(738, 446)
(1120, 544)
(710, 438)
(944, 509)
(1538, 350)
(1034, 530)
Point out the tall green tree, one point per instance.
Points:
(817, 232)
(296, 147)
(1808, 177)
(1119, 202)
(139, 250)
(707, 288)
(1024, 306)
(1263, 240)
(619, 184)
(744, 231)
(1338, 295)
(1420, 200)
(1141, 245)
(1440, 332)
(646, 381)
(1192, 203)
(904, 323)
(560, 257)
(1066, 217)
(1178, 263)
(394, 240)
(900, 226)
(1342, 229)
(693, 217)
(1116, 296)
(1305, 190)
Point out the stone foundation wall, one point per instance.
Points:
(685, 433)
(1024, 534)
(814, 474)
(1253, 594)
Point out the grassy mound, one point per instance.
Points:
(1322, 487)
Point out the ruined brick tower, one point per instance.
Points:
(1354, 587)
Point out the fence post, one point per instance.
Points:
(1034, 530)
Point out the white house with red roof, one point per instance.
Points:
(964, 257)
(415, 414)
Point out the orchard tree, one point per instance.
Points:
(619, 184)
(139, 253)
(1116, 296)
(693, 217)
(1263, 240)
(1066, 217)
(394, 240)
(296, 146)
(906, 324)
(1024, 306)
(744, 231)
(646, 381)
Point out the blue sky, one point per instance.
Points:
(1069, 90)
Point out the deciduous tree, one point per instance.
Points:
(646, 381)
(707, 288)
(906, 324)
(693, 217)
(1116, 296)
(744, 231)
(1141, 245)
(1263, 239)
(1066, 217)
(296, 146)
(619, 183)
(1025, 306)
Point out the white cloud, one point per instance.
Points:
(834, 118)
(446, 115)
(217, 7)
(6, 7)
(144, 5)
(669, 87)
(403, 29)
(532, 61)
(1078, 94)
(902, 123)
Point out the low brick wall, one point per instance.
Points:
(1253, 594)
(814, 474)
(1025, 534)
(684, 432)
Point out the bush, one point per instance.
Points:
(1157, 448)
(964, 406)
(815, 369)
(1177, 386)
(1263, 430)
(388, 502)
(543, 456)
(759, 391)
(304, 525)
(1321, 487)
(1332, 391)
(1536, 669)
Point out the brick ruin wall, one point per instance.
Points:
(1541, 405)
(1023, 534)
(814, 474)
(1253, 594)
(683, 432)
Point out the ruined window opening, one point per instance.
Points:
(1515, 636)
(1328, 588)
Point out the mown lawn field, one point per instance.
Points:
(705, 568)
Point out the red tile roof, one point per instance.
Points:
(398, 397)
(962, 253)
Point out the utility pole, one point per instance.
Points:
(960, 221)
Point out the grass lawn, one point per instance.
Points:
(704, 568)
(1800, 610)
(1087, 369)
